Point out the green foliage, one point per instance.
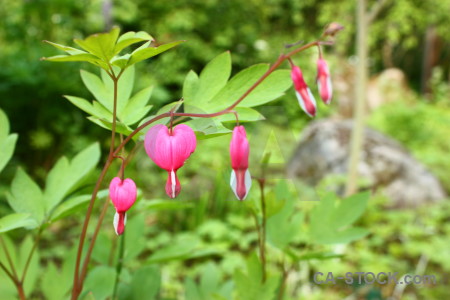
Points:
(7, 141)
(212, 92)
(34, 206)
(102, 49)
(420, 126)
(251, 285)
(331, 222)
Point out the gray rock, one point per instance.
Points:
(324, 150)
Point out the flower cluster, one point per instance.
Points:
(169, 149)
(304, 95)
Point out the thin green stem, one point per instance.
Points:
(30, 255)
(8, 258)
(8, 273)
(113, 129)
(262, 249)
(119, 264)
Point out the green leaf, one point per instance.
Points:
(51, 290)
(190, 87)
(121, 61)
(236, 87)
(207, 128)
(69, 50)
(136, 107)
(271, 88)
(145, 52)
(14, 221)
(99, 282)
(130, 38)
(120, 127)
(86, 57)
(73, 205)
(96, 86)
(212, 79)
(146, 281)
(26, 196)
(179, 249)
(250, 286)
(7, 141)
(160, 205)
(124, 90)
(245, 115)
(101, 45)
(65, 176)
(327, 228)
(350, 209)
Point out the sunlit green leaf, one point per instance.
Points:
(99, 282)
(7, 141)
(14, 221)
(26, 196)
(146, 281)
(145, 52)
(130, 38)
(101, 45)
(120, 127)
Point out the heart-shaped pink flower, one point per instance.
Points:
(123, 195)
(324, 81)
(169, 149)
(240, 181)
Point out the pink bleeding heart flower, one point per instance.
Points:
(123, 195)
(324, 81)
(304, 95)
(240, 181)
(169, 149)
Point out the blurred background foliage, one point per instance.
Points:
(254, 31)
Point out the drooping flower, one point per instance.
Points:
(123, 195)
(324, 81)
(304, 95)
(169, 149)
(240, 181)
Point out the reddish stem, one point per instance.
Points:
(79, 278)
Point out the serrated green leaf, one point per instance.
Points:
(145, 52)
(146, 281)
(14, 221)
(7, 141)
(99, 282)
(83, 57)
(26, 196)
(130, 38)
(73, 205)
(136, 107)
(69, 50)
(51, 290)
(7, 149)
(270, 89)
(101, 45)
(120, 61)
(120, 127)
(212, 79)
(236, 87)
(190, 87)
(65, 176)
(350, 209)
(96, 86)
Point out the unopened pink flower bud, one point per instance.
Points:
(240, 181)
(324, 81)
(303, 93)
(123, 195)
(169, 150)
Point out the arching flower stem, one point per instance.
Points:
(114, 151)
